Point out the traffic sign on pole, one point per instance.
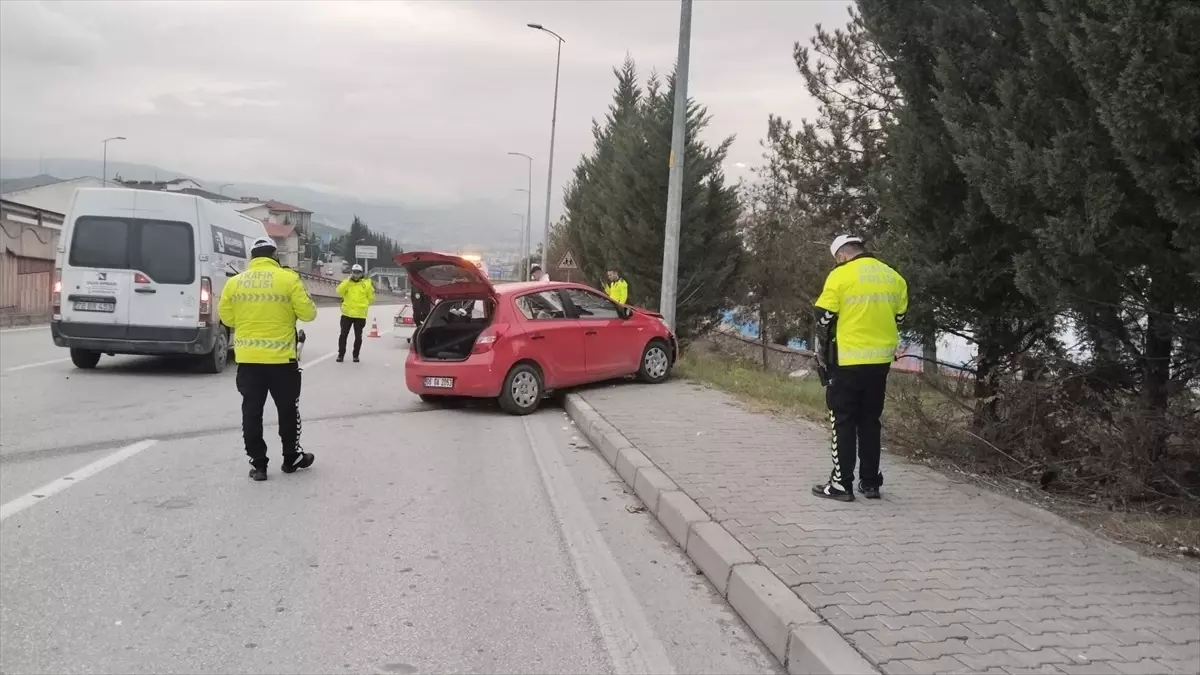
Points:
(568, 262)
(362, 252)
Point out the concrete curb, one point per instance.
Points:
(790, 629)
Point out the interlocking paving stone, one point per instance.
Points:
(938, 576)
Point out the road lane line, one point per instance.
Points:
(21, 330)
(628, 636)
(39, 364)
(330, 355)
(54, 487)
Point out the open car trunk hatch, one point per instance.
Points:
(445, 277)
(450, 332)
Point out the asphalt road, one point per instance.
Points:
(422, 540)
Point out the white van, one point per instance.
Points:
(140, 272)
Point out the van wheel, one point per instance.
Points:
(83, 358)
(656, 363)
(214, 361)
(522, 391)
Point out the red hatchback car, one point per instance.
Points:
(517, 342)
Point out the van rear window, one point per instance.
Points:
(162, 250)
(100, 242)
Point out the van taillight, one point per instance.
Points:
(489, 337)
(56, 294)
(139, 278)
(205, 299)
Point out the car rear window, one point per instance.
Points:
(446, 274)
(161, 249)
(100, 242)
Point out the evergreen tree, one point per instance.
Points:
(617, 205)
(956, 254)
(1040, 148)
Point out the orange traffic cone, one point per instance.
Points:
(374, 329)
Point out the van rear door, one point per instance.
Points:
(148, 268)
(164, 305)
(97, 280)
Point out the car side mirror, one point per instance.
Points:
(624, 312)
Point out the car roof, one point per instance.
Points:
(519, 287)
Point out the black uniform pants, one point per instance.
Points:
(855, 397)
(358, 325)
(282, 382)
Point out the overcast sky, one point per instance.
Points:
(416, 101)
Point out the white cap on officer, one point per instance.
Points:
(263, 243)
(842, 240)
(356, 268)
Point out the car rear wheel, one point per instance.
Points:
(656, 363)
(214, 361)
(523, 390)
(83, 358)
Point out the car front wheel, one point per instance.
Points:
(656, 363)
(522, 390)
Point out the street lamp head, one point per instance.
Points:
(536, 26)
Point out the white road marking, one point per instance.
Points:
(21, 330)
(628, 636)
(54, 487)
(39, 364)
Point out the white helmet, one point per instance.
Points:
(842, 240)
(356, 268)
(263, 243)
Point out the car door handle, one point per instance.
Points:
(537, 337)
(590, 332)
(145, 290)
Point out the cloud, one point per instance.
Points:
(417, 101)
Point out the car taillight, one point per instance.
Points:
(489, 337)
(205, 299)
(56, 294)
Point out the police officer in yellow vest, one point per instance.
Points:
(262, 306)
(617, 288)
(357, 295)
(862, 305)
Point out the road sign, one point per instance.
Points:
(568, 262)
(366, 252)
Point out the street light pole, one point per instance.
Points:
(550, 161)
(528, 212)
(670, 268)
(104, 180)
(221, 190)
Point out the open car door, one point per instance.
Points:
(445, 277)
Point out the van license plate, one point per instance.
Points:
(95, 307)
(439, 382)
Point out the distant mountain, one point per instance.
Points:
(472, 225)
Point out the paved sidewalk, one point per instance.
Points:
(937, 576)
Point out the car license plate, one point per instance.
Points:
(439, 382)
(95, 307)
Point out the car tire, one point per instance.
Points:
(84, 358)
(214, 361)
(523, 390)
(656, 363)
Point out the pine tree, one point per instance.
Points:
(956, 254)
(617, 205)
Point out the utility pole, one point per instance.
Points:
(550, 161)
(670, 268)
(104, 179)
(527, 235)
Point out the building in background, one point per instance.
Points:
(29, 237)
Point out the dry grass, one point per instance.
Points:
(917, 409)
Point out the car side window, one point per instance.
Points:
(592, 305)
(541, 306)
